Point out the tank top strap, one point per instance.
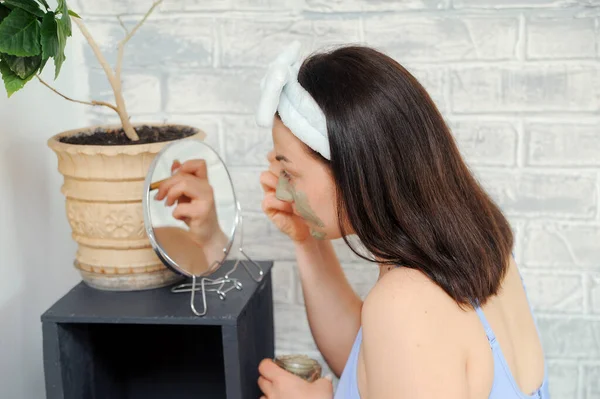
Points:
(486, 325)
(484, 321)
(528, 300)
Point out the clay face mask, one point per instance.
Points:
(286, 192)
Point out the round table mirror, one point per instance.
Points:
(191, 215)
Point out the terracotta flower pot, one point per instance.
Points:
(103, 187)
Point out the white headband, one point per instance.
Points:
(280, 91)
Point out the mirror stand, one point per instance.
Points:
(221, 285)
(240, 223)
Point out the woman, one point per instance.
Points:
(360, 149)
(371, 156)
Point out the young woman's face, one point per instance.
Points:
(308, 181)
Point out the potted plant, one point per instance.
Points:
(104, 167)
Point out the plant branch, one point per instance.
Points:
(129, 35)
(112, 79)
(93, 102)
(123, 25)
(96, 49)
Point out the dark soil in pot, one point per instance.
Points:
(147, 134)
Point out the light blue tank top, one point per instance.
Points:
(504, 385)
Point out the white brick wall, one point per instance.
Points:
(517, 80)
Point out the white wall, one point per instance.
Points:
(36, 251)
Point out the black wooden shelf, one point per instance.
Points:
(149, 344)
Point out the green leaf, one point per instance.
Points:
(30, 6)
(60, 57)
(12, 82)
(66, 18)
(74, 14)
(20, 34)
(4, 11)
(45, 4)
(24, 67)
(64, 10)
(49, 36)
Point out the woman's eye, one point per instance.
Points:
(286, 174)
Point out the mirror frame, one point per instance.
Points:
(162, 255)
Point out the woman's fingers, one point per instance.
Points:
(176, 165)
(196, 210)
(191, 187)
(168, 183)
(270, 203)
(196, 167)
(265, 385)
(268, 181)
(269, 370)
(166, 186)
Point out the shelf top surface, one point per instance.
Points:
(83, 304)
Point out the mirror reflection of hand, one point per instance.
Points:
(183, 249)
(280, 212)
(189, 188)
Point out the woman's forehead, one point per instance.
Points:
(286, 143)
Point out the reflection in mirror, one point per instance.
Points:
(190, 208)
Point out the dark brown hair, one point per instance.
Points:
(401, 181)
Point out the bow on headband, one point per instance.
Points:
(281, 92)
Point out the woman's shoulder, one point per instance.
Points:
(411, 329)
(408, 292)
(409, 302)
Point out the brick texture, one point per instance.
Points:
(549, 292)
(418, 39)
(592, 381)
(517, 80)
(563, 144)
(491, 143)
(565, 379)
(571, 338)
(561, 38)
(274, 33)
(525, 88)
(543, 194)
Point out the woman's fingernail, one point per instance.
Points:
(176, 161)
(329, 377)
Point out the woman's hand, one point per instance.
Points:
(190, 189)
(280, 212)
(277, 383)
